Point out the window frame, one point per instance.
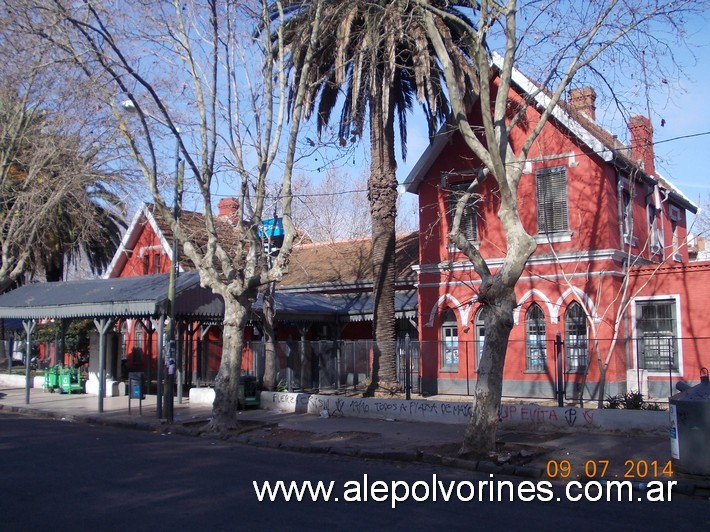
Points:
(469, 218)
(449, 342)
(576, 343)
(558, 200)
(535, 343)
(675, 241)
(655, 230)
(641, 360)
(479, 326)
(138, 351)
(123, 335)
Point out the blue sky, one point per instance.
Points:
(683, 160)
(681, 143)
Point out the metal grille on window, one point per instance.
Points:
(468, 226)
(449, 341)
(551, 186)
(657, 333)
(576, 337)
(535, 339)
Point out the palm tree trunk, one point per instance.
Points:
(382, 187)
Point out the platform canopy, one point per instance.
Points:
(123, 297)
(358, 306)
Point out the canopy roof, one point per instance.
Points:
(124, 297)
(345, 307)
(147, 296)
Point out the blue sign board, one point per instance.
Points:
(271, 228)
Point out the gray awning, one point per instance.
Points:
(346, 307)
(145, 296)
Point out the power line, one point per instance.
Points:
(343, 192)
(682, 137)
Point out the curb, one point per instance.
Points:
(685, 484)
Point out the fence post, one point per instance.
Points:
(671, 359)
(560, 370)
(407, 368)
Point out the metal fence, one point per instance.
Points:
(347, 364)
(316, 365)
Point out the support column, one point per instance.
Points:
(159, 367)
(102, 325)
(179, 374)
(62, 342)
(29, 326)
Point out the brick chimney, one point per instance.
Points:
(229, 208)
(583, 100)
(642, 143)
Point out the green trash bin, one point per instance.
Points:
(51, 378)
(70, 381)
(65, 381)
(248, 392)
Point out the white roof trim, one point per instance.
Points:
(558, 112)
(167, 247)
(432, 151)
(665, 183)
(411, 183)
(130, 238)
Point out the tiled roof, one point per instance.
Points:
(347, 262)
(588, 131)
(328, 265)
(193, 224)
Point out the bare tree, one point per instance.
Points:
(702, 219)
(334, 208)
(556, 43)
(208, 90)
(606, 325)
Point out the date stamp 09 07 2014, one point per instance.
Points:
(632, 469)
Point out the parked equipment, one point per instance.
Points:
(63, 380)
(690, 426)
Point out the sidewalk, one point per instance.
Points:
(538, 456)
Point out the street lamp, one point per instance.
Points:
(130, 107)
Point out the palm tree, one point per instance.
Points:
(377, 55)
(68, 242)
(36, 155)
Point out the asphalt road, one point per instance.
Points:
(60, 476)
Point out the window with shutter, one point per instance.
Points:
(551, 187)
(655, 231)
(469, 225)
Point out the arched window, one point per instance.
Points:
(535, 339)
(576, 337)
(480, 327)
(449, 341)
(124, 339)
(137, 350)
